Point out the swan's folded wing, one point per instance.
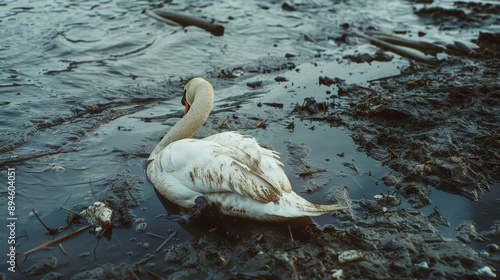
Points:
(261, 161)
(207, 167)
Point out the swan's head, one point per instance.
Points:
(190, 90)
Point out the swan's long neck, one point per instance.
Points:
(192, 121)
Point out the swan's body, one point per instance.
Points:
(231, 171)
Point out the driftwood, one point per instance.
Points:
(174, 18)
(397, 50)
(57, 240)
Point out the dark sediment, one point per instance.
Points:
(389, 244)
(437, 130)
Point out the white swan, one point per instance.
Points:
(228, 171)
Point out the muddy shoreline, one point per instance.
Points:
(405, 122)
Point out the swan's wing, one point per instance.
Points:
(203, 166)
(263, 162)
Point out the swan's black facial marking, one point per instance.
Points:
(184, 101)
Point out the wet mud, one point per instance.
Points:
(436, 128)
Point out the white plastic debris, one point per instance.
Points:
(350, 256)
(337, 274)
(486, 271)
(58, 168)
(422, 265)
(98, 214)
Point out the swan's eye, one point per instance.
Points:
(183, 101)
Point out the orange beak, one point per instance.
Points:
(185, 103)
(187, 108)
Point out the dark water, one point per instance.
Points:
(80, 80)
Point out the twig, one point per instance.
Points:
(49, 229)
(259, 238)
(62, 249)
(291, 235)
(159, 18)
(223, 124)
(260, 124)
(102, 232)
(392, 152)
(57, 240)
(95, 248)
(155, 235)
(397, 50)
(66, 201)
(166, 241)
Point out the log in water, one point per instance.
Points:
(170, 17)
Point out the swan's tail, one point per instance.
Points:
(290, 206)
(307, 208)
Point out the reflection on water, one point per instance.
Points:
(86, 86)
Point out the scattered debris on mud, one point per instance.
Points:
(383, 244)
(436, 129)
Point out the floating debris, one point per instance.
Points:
(62, 249)
(84, 254)
(486, 271)
(280, 79)
(155, 235)
(57, 240)
(310, 173)
(174, 233)
(223, 124)
(365, 57)
(174, 19)
(350, 256)
(262, 124)
(275, 105)
(99, 215)
(407, 53)
(327, 81)
(254, 84)
(141, 227)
